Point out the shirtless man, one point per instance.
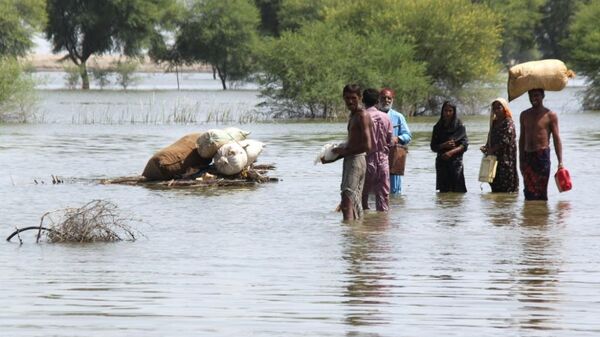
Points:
(353, 151)
(537, 124)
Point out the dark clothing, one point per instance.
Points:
(536, 173)
(503, 139)
(450, 175)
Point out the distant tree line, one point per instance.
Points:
(302, 52)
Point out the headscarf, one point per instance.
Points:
(507, 114)
(455, 129)
(504, 103)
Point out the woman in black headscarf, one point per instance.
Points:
(449, 140)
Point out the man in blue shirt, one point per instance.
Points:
(401, 133)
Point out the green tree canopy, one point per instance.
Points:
(84, 28)
(269, 20)
(584, 43)
(16, 91)
(305, 71)
(519, 20)
(223, 34)
(457, 40)
(553, 28)
(19, 19)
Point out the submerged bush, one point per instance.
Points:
(17, 96)
(125, 71)
(72, 76)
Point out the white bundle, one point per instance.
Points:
(213, 139)
(230, 159)
(253, 149)
(326, 153)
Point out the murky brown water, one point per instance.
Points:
(275, 260)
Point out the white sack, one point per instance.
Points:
(213, 139)
(326, 153)
(253, 149)
(230, 159)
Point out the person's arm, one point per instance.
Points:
(556, 138)
(404, 136)
(454, 152)
(435, 147)
(521, 142)
(390, 134)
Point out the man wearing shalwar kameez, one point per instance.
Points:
(377, 179)
(401, 133)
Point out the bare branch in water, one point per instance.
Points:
(96, 221)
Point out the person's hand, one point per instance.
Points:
(560, 165)
(337, 150)
(448, 144)
(483, 149)
(447, 155)
(394, 141)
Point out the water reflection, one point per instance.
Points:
(500, 208)
(537, 274)
(367, 253)
(450, 204)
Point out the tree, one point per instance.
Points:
(16, 91)
(269, 20)
(457, 40)
(84, 28)
(221, 33)
(553, 27)
(303, 72)
(519, 20)
(19, 19)
(584, 43)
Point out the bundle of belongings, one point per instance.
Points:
(551, 75)
(227, 150)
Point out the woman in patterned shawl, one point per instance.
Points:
(502, 143)
(449, 140)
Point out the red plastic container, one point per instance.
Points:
(563, 180)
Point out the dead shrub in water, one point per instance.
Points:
(96, 221)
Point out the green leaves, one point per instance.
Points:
(84, 28)
(584, 43)
(305, 71)
(18, 21)
(223, 34)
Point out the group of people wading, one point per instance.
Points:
(373, 127)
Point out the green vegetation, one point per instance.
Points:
(222, 34)
(18, 21)
(423, 49)
(125, 72)
(86, 28)
(302, 76)
(17, 97)
(302, 52)
(584, 43)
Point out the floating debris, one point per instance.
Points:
(251, 175)
(96, 221)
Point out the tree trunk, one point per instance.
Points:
(177, 74)
(85, 80)
(223, 77)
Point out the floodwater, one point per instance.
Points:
(275, 259)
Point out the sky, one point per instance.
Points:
(41, 45)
